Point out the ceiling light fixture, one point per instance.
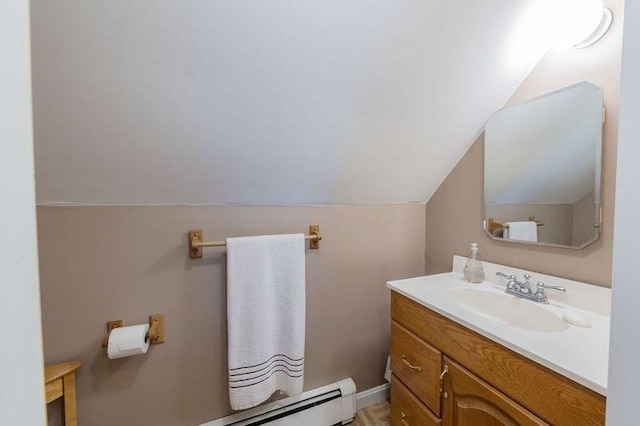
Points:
(579, 23)
(599, 32)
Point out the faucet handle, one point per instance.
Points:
(509, 277)
(542, 285)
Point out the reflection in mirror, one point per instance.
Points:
(542, 168)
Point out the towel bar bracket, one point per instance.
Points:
(195, 236)
(314, 243)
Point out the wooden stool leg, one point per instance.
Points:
(69, 386)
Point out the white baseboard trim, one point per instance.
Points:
(372, 396)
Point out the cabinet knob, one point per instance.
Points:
(413, 367)
(403, 416)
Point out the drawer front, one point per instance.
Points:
(551, 396)
(418, 365)
(406, 409)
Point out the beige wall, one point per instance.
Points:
(454, 213)
(557, 219)
(583, 218)
(105, 263)
(564, 224)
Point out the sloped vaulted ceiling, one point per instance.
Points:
(266, 101)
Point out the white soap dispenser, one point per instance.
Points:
(473, 270)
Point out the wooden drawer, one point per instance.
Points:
(406, 409)
(417, 364)
(549, 395)
(471, 401)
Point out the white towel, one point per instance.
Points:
(522, 231)
(265, 317)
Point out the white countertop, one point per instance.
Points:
(581, 354)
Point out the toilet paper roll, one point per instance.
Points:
(128, 341)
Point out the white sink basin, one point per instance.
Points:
(507, 309)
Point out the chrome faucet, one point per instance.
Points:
(524, 290)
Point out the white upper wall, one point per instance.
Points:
(267, 101)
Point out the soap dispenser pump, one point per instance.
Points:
(473, 270)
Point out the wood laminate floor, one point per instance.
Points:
(373, 415)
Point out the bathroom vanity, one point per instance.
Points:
(467, 354)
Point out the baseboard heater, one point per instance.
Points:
(329, 405)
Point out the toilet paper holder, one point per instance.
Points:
(155, 334)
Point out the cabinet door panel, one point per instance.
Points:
(471, 401)
(406, 409)
(417, 364)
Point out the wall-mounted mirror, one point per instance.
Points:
(542, 169)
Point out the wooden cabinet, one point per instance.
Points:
(485, 384)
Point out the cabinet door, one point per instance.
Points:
(468, 400)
